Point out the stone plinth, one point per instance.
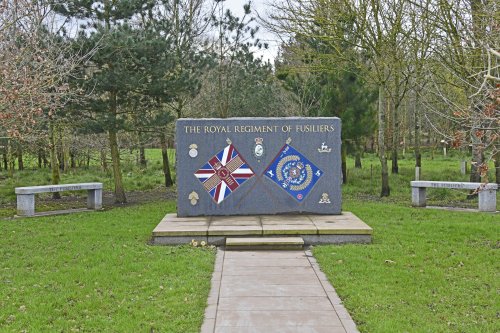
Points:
(314, 229)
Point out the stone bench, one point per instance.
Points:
(26, 195)
(487, 192)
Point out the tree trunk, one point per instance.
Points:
(20, 162)
(418, 155)
(54, 165)
(115, 155)
(142, 156)
(117, 173)
(39, 155)
(44, 158)
(394, 157)
(497, 166)
(104, 162)
(9, 162)
(477, 159)
(395, 127)
(385, 191)
(72, 159)
(166, 165)
(357, 160)
(344, 163)
(5, 160)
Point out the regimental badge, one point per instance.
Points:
(325, 199)
(258, 150)
(193, 198)
(224, 173)
(293, 172)
(324, 148)
(193, 150)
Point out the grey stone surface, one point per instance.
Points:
(454, 185)
(488, 201)
(25, 204)
(418, 196)
(26, 195)
(259, 194)
(487, 192)
(58, 188)
(94, 199)
(317, 229)
(273, 291)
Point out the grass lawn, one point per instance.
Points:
(95, 272)
(426, 271)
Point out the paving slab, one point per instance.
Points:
(285, 220)
(259, 271)
(273, 291)
(264, 254)
(292, 229)
(314, 229)
(277, 318)
(264, 262)
(295, 279)
(234, 230)
(280, 329)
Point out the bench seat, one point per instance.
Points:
(487, 192)
(26, 195)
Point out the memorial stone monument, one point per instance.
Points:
(258, 166)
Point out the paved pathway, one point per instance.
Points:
(273, 291)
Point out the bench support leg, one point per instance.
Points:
(94, 199)
(25, 204)
(488, 201)
(418, 196)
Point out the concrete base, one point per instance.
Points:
(488, 201)
(26, 204)
(94, 199)
(314, 229)
(418, 196)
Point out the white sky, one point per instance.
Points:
(261, 7)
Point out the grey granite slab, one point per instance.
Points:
(317, 139)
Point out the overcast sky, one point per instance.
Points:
(259, 6)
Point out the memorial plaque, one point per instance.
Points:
(250, 166)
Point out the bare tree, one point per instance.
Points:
(34, 64)
(464, 74)
(377, 30)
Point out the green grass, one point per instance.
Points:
(135, 178)
(365, 184)
(95, 272)
(426, 271)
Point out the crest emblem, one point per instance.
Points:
(193, 198)
(258, 150)
(325, 199)
(293, 172)
(324, 148)
(193, 150)
(224, 173)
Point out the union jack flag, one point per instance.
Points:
(224, 173)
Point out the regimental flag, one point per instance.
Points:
(293, 172)
(224, 173)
